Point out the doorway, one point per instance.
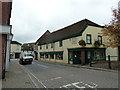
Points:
(77, 57)
(17, 55)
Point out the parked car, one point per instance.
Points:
(26, 58)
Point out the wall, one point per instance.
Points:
(94, 31)
(2, 51)
(15, 48)
(112, 52)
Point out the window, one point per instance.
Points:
(59, 56)
(46, 55)
(100, 39)
(52, 45)
(46, 46)
(41, 55)
(51, 56)
(40, 46)
(74, 40)
(60, 43)
(89, 39)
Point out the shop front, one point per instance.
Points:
(83, 55)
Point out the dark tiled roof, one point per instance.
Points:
(73, 30)
(15, 42)
(43, 36)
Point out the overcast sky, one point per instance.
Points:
(31, 18)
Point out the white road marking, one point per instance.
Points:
(43, 66)
(83, 85)
(33, 81)
(95, 85)
(53, 79)
(33, 63)
(66, 86)
(28, 72)
(75, 84)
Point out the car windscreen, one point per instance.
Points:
(28, 55)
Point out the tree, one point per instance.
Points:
(112, 30)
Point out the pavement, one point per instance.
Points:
(84, 66)
(17, 77)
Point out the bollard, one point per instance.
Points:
(109, 62)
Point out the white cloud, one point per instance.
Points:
(31, 18)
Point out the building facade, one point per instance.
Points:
(15, 50)
(5, 36)
(28, 47)
(74, 44)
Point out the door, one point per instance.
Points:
(88, 56)
(77, 57)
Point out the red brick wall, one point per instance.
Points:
(5, 14)
(5, 9)
(2, 50)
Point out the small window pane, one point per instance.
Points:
(88, 39)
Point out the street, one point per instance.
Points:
(50, 75)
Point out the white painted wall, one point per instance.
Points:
(112, 52)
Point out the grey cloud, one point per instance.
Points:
(31, 19)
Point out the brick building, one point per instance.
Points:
(5, 35)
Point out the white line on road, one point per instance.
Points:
(66, 86)
(75, 84)
(95, 85)
(33, 81)
(53, 79)
(82, 85)
(43, 66)
(28, 72)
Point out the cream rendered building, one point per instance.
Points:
(15, 50)
(63, 45)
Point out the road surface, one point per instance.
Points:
(51, 75)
